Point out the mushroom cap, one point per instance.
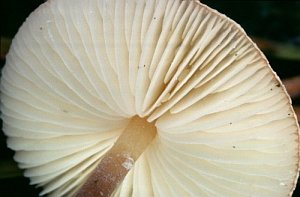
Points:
(78, 70)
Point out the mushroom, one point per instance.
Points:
(145, 98)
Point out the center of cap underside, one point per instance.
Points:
(115, 164)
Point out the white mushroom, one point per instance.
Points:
(216, 119)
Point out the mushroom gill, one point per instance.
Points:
(80, 74)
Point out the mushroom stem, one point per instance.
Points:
(119, 159)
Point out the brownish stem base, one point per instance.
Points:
(119, 160)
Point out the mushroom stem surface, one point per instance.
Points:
(119, 159)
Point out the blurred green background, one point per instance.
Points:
(275, 25)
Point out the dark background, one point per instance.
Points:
(272, 21)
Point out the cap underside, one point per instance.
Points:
(78, 70)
